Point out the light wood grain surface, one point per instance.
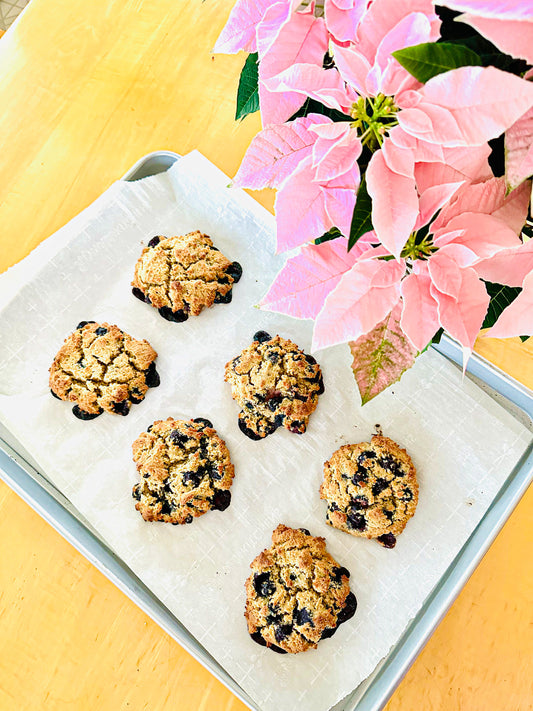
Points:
(86, 88)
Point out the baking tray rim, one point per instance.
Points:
(373, 693)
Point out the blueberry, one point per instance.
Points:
(296, 427)
(303, 617)
(175, 316)
(337, 573)
(278, 420)
(166, 508)
(188, 519)
(328, 632)
(193, 478)
(389, 514)
(379, 486)
(278, 650)
(334, 506)
(136, 396)
(221, 500)
(83, 415)
(203, 421)
(223, 298)
(348, 611)
(272, 356)
(223, 280)
(368, 454)
(361, 476)
(304, 530)
(151, 376)
(136, 492)
(263, 585)
(407, 494)
(149, 429)
(100, 331)
(83, 323)
(310, 359)
(359, 502)
(121, 408)
(58, 398)
(390, 464)
(247, 431)
(302, 398)
(256, 636)
(177, 437)
(140, 295)
(234, 271)
(274, 402)
(262, 336)
(388, 540)
(321, 385)
(356, 521)
(281, 632)
(274, 616)
(154, 241)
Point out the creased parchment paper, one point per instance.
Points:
(463, 444)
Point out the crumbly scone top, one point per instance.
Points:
(182, 275)
(185, 471)
(276, 384)
(99, 367)
(371, 489)
(297, 593)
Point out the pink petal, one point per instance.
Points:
(399, 160)
(428, 175)
(324, 85)
(473, 96)
(519, 150)
(353, 67)
(355, 306)
(517, 319)
(333, 158)
(303, 39)
(394, 204)
(510, 266)
(270, 25)
(382, 16)
(276, 152)
(433, 199)
(420, 317)
(509, 9)
(239, 31)
(487, 197)
(462, 312)
(300, 209)
(471, 161)
(342, 18)
(301, 287)
(483, 234)
(514, 37)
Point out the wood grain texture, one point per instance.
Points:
(87, 88)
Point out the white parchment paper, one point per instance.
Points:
(463, 444)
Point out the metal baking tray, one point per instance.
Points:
(19, 472)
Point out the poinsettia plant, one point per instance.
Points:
(399, 138)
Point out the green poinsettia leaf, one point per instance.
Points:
(362, 215)
(333, 233)
(427, 60)
(248, 91)
(500, 298)
(382, 356)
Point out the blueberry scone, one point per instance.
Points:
(297, 593)
(275, 384)
(371, 489)
(185, 471)
(182, 275)
(99, 367)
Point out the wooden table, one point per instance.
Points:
(86, 88)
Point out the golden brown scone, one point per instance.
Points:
(371, 489)
(275, 384)
(182, 275)
(297, 593)
(185, 471)
(99, 367)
